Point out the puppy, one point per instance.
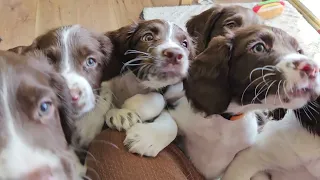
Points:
(80, 56)
(239, 73)
(286, 149)
(34, 105)
(217, 21)
(152, 55)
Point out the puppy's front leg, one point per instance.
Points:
(138, 108)
(245, 165)
(150, 138)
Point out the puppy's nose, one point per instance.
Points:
(310, 69)
(75, 94)
(173, 55)
(43, 173)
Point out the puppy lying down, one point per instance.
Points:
(155, 54)
(34, 106)
(238, 74)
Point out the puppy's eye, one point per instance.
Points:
(147, 37)
(258, 48)
(300, 51)
(91, 62)
(185, 43)
(45, 108)
(231, 25)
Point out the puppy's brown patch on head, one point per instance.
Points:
(217, 20)
(248, 67)
(155, 50)
(80, 56)
(34, 104)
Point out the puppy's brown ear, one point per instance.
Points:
(199, 26)
(66, 112)
(18, 49)
(207, 86)
(121, 37)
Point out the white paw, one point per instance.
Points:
(143, 140)
(121, 119)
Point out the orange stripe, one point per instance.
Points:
(237, 117)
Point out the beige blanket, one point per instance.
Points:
(290, 20)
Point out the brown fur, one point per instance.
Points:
(222, 70)
(30, 80)
(214, 22)
(129, 38)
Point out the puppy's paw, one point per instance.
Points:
(121, 119)
(143, 140)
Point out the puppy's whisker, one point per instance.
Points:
(106, 142)
(257, 69)
(313, 109)
(85, 151)
(310, 112)
(247, 88)
(279, 94)
(132, 51)
(303, 108)
(265, 97)
(261, 90)
(94, 171)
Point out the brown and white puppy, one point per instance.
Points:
(80, 56)
(217, 21)
(34, 105)
(153, 55)
(257, 67)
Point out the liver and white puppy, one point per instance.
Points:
(34, 104)
(80, 56)
(286, 149)
(258, 67)
(154, 54)
(217, 21)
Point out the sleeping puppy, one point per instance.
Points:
(34, 105)
(239, 73)
(295, 141)
(217, 21)
(152, 55)
(80, 56)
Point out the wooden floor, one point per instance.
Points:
(22, 20)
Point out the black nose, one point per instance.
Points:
(173, 55)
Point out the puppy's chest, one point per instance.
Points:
(125, 86)
(205, 134)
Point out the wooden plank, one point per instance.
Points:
(17, 22)
(186, 2)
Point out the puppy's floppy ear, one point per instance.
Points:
(200, 26)
(65, 108)
(121, 37)
(25, 49)
(207, 86)
(18, 49)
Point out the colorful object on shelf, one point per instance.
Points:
(269, 9)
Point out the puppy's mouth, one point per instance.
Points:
(304, 92)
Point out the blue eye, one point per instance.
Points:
(91, 62)
(45, 107)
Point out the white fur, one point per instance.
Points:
(91, 124)
(284, 148)
(154, 82)
(142, 107)
(212, 142)
(74, 79)
(18, 158)
(150, 138)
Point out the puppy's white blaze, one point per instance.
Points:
(73, 79)
(18, 158)
(170, 30)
